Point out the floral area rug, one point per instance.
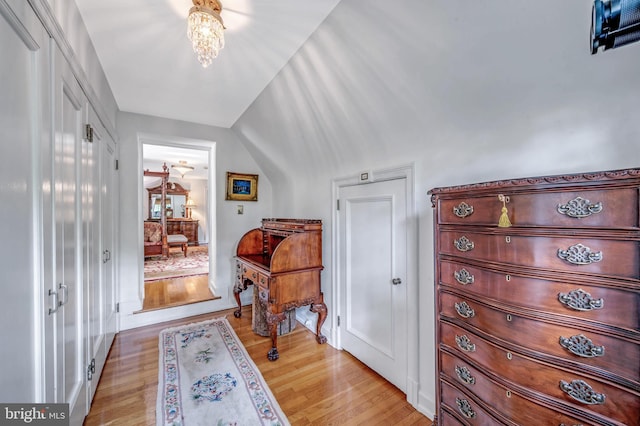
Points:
(176, 265)
(207, 378)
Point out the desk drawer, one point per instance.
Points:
(250, 273)
(263, 281)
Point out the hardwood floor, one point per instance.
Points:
(161, 294)
(314, 384)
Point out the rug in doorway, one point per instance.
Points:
(206, 377)
(177, 265)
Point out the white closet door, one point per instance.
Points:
(108, 226)
(24, 90)
(70, 350)
(99, 222)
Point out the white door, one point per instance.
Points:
(372, 224)
(108, 215)
(98, 184)
(70, 350)
(91, 254)
(26, 370)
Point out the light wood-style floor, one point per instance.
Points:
(161, 294)
(314, 384)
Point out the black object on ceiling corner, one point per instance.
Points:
(614, 23)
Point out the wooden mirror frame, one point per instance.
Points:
(170, 188)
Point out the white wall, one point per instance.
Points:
(230, 156)
(83, 58)
(467, 91)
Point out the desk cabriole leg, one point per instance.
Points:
(321, 310)
(237, 289)
(273, 320)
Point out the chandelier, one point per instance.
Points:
(182, 168)
(206, 30)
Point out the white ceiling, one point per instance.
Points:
(151, 68)
(155, 156)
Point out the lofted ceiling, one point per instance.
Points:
(149, 63)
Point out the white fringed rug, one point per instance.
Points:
(207, 378)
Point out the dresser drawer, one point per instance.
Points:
(615, 258)
(578, 346)
(571, 209)
(619, 308)
(505, 400)
(446, 419)
(600, 398)
(465, 409)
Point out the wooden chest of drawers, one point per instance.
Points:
(538, 321)
(186, 227)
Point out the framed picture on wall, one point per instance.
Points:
(242, 187)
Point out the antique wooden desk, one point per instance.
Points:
(284, 259)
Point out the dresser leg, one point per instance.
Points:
(321, 310)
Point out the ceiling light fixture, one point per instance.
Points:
(182, 168)
(205, 29)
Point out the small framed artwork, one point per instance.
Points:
(242, 187)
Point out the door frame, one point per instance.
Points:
(407, 172)
(207, 146)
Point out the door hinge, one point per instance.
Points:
(117, 165)
(118, 307)
(88, 133)
(337, 204)
(91, 369)
(338, 320)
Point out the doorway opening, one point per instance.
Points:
(178, 215)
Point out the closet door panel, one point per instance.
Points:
(71, 344)
(24, 89)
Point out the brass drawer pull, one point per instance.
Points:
(463, 210)
(582, 346)
(465, 408)
(580, 300)
(463, 244)
(582, 392)
(464, 310)
(579, 207)
(579, 255)
(463, 277)
(465, 344)
(464, 374)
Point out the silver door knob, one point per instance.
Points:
(396, 281)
